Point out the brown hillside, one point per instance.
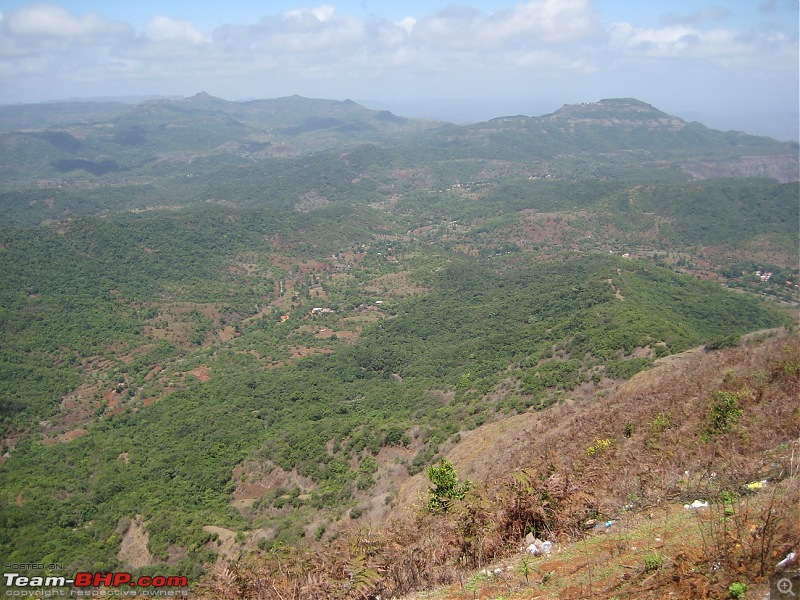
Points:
(668, 408)
(697, 426)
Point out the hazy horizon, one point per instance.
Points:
(465, 112)
(728, 64)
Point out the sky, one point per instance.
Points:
(731, 64)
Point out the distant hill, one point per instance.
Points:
(613, 137)
(24, 116)
(610, 138)
(198, 124)
(269, 113)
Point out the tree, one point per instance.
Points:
(446, 486)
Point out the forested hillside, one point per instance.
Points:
(261, 318)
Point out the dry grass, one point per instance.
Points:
(644, 450)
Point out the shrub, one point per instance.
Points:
(737, 589)
(653, 561)
(599, 446)
(661, 422)
(721, 342)
(446, 486)
(725, 412)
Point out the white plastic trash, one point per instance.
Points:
(534, 549)
(789, 561)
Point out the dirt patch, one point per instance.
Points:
(200, 372)
(153, 372)
(71, 435)
(110, 395)
(133, 550)
(227, 334)
(226, 546)
(65, 437)
(253, 480)
(346, 336)
(176, 323)
(545, 228)
(78, 406)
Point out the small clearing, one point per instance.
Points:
(133, 550)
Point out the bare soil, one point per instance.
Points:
(133, 550)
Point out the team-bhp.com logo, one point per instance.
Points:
(88, 581)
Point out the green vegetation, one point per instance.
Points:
(599, 446)
(461, 336)
(197, 290)
(653, 561)
(445, 486)
(737, 589)
(724, 412)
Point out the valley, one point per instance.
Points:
(245, 331)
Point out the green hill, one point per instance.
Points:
(124, 153)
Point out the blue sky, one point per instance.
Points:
(731, 64)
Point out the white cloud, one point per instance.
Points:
(724, 47)
(544, 60)
(407, 23)
(54, 21)
(320, 13)
(40, 37)
(303, 31)
(713, 13)
(553, 21)
(664, 42)
(529, 23)
(164, 29)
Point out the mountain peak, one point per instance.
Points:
(630, 103)
(204, 98)
(626, 111)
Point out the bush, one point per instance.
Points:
(737, 589)
(653, 561)
(446, 486)
(599, 446)
(721, 342)
(725, 412)
(625, 369)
